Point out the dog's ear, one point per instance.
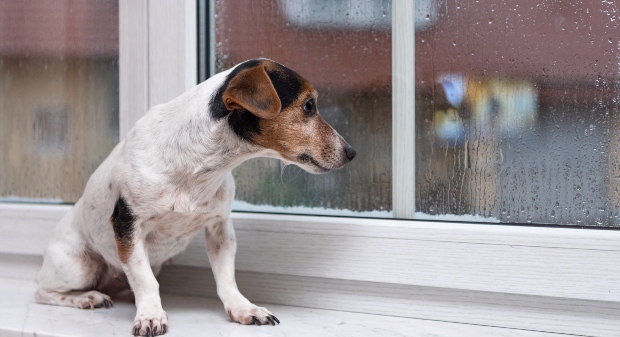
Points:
(252, 90)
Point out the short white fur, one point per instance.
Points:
(174, 169)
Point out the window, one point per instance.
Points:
(521, 277)
(343, 49)
(517, 113)
(58, 96)
(514, 108)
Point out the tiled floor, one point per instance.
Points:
(21, 316)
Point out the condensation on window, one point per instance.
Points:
(344, 50)
(58, 96)
(517, 112)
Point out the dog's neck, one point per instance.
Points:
(196, 152)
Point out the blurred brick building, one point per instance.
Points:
(58, 95)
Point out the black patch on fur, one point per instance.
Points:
(122, 221)
(245, 124)
(288, 85)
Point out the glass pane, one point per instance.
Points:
(517, 112)
(344, 50)
(58, 96)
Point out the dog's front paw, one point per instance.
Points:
(252, 314)
(150, 323)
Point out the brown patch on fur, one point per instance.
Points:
(230, 315)
(252, 90)
(124, 249)
(298, 136)
(292, 134)
(122, 221)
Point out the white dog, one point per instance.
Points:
(170, 178)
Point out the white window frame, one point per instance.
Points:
(564, 280)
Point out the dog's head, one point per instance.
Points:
(271, 106)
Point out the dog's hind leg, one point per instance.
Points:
(69, 272)
(80, 299)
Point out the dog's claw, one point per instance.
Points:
(255, 320)
(164, 329)
(148, 331)
(275, 319)
(136, 331)
(271, 320)
(154, 332)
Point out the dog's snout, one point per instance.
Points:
(350, 152)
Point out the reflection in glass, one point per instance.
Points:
(346, 55)
(58, 96)
(517, 113)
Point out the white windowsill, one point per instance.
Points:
(519, 278)
(191, 316)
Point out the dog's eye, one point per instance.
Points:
(309, 107)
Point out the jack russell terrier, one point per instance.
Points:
(170, 178)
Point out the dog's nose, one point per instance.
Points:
(350, 152)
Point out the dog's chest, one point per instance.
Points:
(170, 234)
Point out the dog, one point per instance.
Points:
(170, 178)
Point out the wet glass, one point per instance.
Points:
(517, 112)
(344, 50)
(58, 96)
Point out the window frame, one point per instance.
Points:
(509, 264)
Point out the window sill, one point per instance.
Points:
(191, 316)
(523, 278)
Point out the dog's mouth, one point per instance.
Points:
(305, 158)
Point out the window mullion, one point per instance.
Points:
(133, 63)
(403, 109)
